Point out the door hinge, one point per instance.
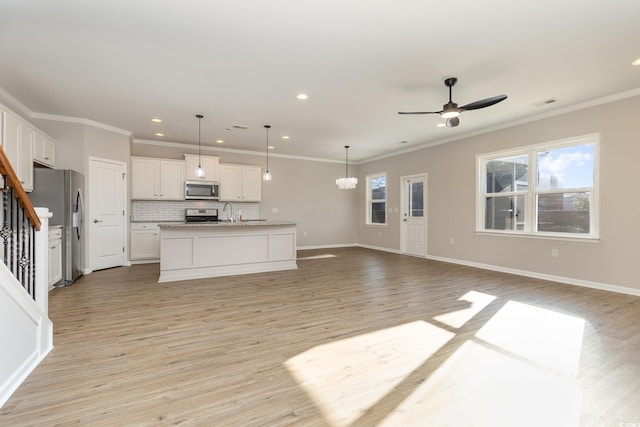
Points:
(123, 175)
(123, 212)
(123, 249)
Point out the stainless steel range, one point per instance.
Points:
(201, 215)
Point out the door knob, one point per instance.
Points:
(97, 220)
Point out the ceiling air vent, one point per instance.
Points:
(545, 102)
(241, 127)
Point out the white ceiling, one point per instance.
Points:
(122, 62)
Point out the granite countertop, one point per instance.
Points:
(245, 223)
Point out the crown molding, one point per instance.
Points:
(166, 144)
(10, 99)
(78, 120)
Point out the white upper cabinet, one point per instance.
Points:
(44, 150)
(157, 179)
(240, 183)
(17, 142)
(210, 165)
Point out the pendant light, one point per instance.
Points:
(199, 170)
(267, 175)
(346, 183)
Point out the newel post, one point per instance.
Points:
(42, 260)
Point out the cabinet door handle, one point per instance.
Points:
(95, 221)
(46, 158)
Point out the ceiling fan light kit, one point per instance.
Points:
(451, 111)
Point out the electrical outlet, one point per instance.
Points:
(451, 242)
(379, 233)
(305, 234)
(554, 253)
(275, 210)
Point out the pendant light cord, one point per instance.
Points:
(346, 165)
(267, 127)
(199, 116)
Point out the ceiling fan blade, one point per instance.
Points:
(419, 112)
(484, 103)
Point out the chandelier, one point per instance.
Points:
(347, 183)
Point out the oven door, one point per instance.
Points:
(200, 190)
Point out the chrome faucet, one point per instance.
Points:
(225, 207)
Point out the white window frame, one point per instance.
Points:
(531, 217)
(370, 201)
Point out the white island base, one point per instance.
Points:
(196, 251)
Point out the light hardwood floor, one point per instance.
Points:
(361, 338)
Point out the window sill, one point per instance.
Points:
(376, 225)
(584, 239)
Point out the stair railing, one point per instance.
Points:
(19, 225)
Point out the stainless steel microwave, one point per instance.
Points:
(201, 190)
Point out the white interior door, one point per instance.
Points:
(106, 219)
(413, 228)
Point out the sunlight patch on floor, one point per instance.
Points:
(542, 336)
(317, 256)
(474, 302)
(346, 377)
(478, 386)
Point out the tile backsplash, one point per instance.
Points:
(164, 210)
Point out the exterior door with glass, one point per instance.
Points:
(413, 227)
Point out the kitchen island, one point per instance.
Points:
(200, 250)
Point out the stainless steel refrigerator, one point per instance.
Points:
(62, 191)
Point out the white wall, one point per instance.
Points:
(451, 199)
(301, 190)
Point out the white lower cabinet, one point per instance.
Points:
(55, 256)
(145, 241)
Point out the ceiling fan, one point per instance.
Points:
(451, 111)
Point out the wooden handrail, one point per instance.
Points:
(18, 191)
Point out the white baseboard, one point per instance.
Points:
(143, 261)
(342, 245)
(535, 275)
(380, 248)
(524, 273)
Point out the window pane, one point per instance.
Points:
(507, 174)
(379, 188)
(504, 213)
(417, 202)
(567, 167)
(378, 213)
(564, 212)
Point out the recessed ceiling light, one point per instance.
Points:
(159, 134)
(302, 96)
(440, 125)
(156, 120)
(219, 141)
(404, 142)
(285, 137)
(636, 62)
